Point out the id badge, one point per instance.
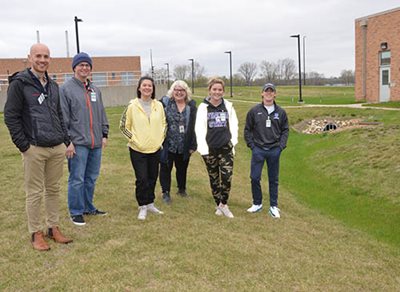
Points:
(268, 123)
(223, 117)
(93, 96)
(41, 98)
(181, 129)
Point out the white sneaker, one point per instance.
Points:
(218, 212)
(255, 208)
(274, 212)
(225, 210)
(151, 208)
(142, 212)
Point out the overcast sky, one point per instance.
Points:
(176, 30)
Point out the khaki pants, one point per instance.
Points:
(43, 169)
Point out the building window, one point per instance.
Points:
(113, 75)
(127, 78)
(100, 79)
(385, 77)
(54, 77)
(385, 58)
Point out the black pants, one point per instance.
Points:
(145, 166)
(181, 167)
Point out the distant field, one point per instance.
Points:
(289, 95)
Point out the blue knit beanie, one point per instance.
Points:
(79, 58)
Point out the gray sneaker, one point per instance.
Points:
(182, 193)
(166, 197)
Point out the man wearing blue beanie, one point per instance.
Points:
(81, 57)
(87, 126)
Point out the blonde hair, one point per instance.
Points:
(215, 80)
(182, 84)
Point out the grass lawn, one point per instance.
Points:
(339, 197)
(390, 104)
(289, 95)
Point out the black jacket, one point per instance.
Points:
(33, 120)
(257, 134)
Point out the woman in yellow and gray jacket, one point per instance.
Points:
(143, 124)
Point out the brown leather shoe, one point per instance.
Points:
(38, 241)
(55, 234)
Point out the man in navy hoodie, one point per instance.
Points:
(34, 119)
(266, 133)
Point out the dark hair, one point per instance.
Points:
(139, 94)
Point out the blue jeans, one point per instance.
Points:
(84, 168)
(259, 156)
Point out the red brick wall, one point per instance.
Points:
(63, 65)
(381, 27)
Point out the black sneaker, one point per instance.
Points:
(166, 198)
(78, 220)
(182, 193)
(96, 212)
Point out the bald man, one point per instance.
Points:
(34, 118)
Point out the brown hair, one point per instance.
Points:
(213, 81)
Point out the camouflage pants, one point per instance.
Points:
(220, 170)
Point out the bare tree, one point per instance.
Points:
(315, 78)
(269, 71)
(182, 71)
(198, 70)
(288, 69)
(249, 71)
(347, 77)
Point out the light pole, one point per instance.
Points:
(167, 75)
(304, 60)
(76, 19)
(230, 69)
(151, 63)
(192, 60)
(298, 49)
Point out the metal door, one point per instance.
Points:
(384, 88)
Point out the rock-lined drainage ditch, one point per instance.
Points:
(324, 125)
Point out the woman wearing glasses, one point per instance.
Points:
(180, 142)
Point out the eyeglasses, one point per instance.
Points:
(179, 90)
(84, 65)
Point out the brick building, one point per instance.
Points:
(377, 45)
(107, 71)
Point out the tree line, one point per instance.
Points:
(281, 72)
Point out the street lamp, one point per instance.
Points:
(167, 74)
(230, 68)
(76, 19)
(304, 60)
(298, 49)
(192, 60)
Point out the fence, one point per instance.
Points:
(117, 87)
